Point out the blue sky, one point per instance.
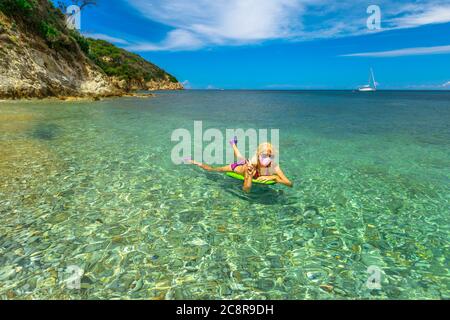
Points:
(283, 44)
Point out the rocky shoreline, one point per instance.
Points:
(82, 98)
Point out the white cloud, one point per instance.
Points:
(429, 86)
(177, 39)
(203, 23)
(420, 15)
(403, 52)
(105, 37)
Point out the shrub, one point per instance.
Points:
(49, 32)
(17, 6)
(82, 41)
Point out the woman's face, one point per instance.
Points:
(266, 157)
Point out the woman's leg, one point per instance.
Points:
(236, 151)
(240, 169)
(212, 169)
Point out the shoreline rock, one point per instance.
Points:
(82, 98)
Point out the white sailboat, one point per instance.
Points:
(372, 86)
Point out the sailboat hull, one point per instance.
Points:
(367, 90)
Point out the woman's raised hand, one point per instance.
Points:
(250, 168)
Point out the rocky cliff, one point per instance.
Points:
(127, 70)
(40, 57)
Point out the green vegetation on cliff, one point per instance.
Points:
(41, 18)
(120, 63)
(17, 6)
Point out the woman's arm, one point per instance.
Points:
(281, 178)
(249, 172)
(268, 178)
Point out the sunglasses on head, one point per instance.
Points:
(265, 156)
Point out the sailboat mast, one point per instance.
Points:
(373, 78)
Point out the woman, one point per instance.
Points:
(261, 167)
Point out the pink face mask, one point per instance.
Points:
(265, 160)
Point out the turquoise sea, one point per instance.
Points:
(92, 185)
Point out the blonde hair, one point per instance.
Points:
(263, 147)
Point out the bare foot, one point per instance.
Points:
(190, 161)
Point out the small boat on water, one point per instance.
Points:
(372, 86)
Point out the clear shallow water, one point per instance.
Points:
(92, 184)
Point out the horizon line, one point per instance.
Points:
(313, 89)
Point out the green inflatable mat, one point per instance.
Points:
(240, 177)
